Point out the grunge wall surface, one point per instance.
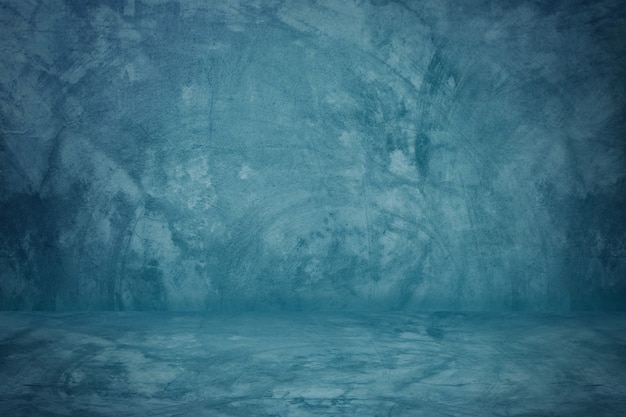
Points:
(312, 155)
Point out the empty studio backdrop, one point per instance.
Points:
(312, 155)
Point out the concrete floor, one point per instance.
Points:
(440, 364)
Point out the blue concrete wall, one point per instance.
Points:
(329, 155)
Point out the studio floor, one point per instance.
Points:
(296, 364)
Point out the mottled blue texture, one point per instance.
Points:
(138, 364)
(300, 155)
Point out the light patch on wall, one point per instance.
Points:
(355, 155)
(355, 173)
(129, 8)
(313, 268)
(236, 28)
(193, 184)
(79, 159)
(244, 172)
(129, 35)
(139, 69)
(349, 139)
(130, 72)
(400, 165)
(392, 244)
(112, 177)
(341, 100)
(396, 201)
(451, 82)
(195, 97)
(187, 94)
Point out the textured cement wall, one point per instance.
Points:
(194, 155)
